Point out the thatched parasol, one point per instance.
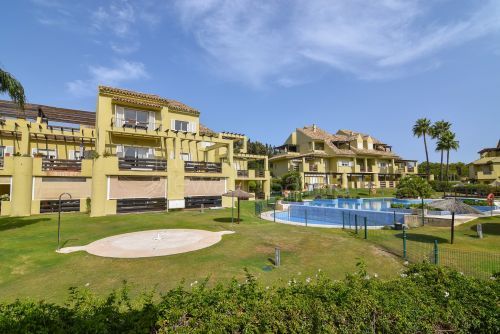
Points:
(239, 194)
(455, 207)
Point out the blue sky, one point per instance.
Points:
(264, 68)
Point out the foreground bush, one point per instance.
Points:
(424, 299)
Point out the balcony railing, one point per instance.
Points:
(61, 165)
(1, 163)
(202, 167)
(313, 168)
(142, 164)
(133, 124)
(260, 173)
(411, 169)
(242, 173)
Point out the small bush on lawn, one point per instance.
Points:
(424, 299)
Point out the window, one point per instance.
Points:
(181, 125)
(134, 118)
(345, 163)
(319, 146)
(46, 153)
(186, 156)
(2, 148)
(132, 152)
(382, 164)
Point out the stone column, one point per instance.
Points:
(345, 184)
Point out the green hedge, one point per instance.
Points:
(424, 299)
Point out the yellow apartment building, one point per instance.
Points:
(486, 169)
(346, 159)
(137, 152)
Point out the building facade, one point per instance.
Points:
(137, 152)
(486, 169)
(347, 159)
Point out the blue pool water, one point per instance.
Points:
(372, 204)
(340, 212)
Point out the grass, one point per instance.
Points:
(30, 267)
(469, 253)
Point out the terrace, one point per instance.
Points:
(202, 167)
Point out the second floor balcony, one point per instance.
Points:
(142, 164)
(49, 164)
(136, 124)
(242, 173)
(202, 167)
(251, 174)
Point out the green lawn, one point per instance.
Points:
(30, 267)
(468, 253)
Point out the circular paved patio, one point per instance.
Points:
(150, 243)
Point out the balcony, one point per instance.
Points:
(142, 164)
(1, 163)
(134, 124)
(202, 167)
(251, 174)
(411, 169)
(61, 165)
(260, 173)
(313, 168)
(242, 173)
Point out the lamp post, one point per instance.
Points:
(232, 208)
(59, 221)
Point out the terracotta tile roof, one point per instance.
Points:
(314, 132)
(151, 98)
(206, 131)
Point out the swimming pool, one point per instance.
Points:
(346, 212)
(371, 204)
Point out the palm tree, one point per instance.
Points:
(437, 130)
(10, 85)
(448, 142)
(421, 128)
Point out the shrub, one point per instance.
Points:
(413, 187)
(424, 299)
(478, 202)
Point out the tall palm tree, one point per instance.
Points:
(448, 142)
(10, 85)
(422, 128)
(437, 130)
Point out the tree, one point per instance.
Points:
(10, 85)
(291, 181)
(448, 142)
(437, 130)
(413, 187)
(422, 129)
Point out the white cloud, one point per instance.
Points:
(118, 18)
(122, 71)
(261, 42)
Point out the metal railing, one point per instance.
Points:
(1, 163)
(61, 165)
(242, 173)
(202, 167)
(133, 124)
(260, 173)
(142, 164)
